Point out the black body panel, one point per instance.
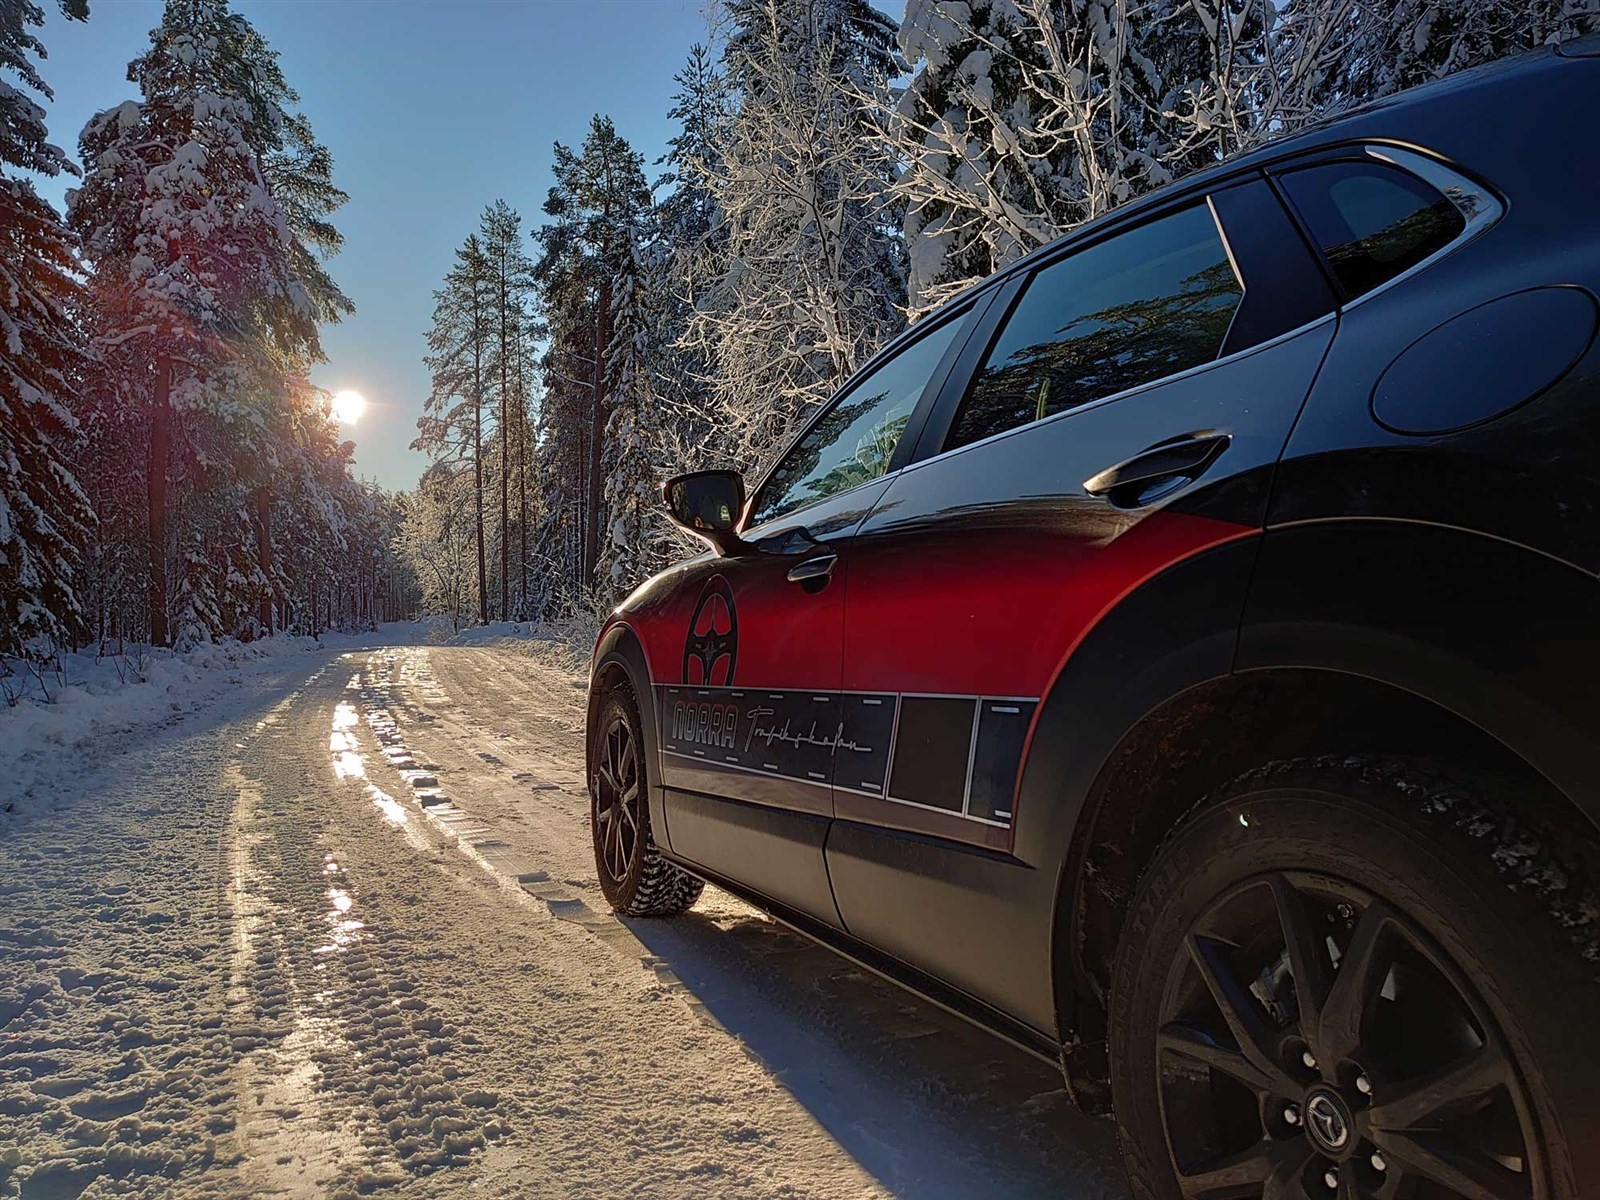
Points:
(1505, 637)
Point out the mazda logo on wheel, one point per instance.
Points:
(712, 646)
(1327, 1121)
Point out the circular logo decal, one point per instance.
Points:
(1328, 1122)
(713, 642)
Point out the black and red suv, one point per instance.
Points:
(1181, 655)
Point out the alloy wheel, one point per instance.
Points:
(1317, 1045)
(618, 799)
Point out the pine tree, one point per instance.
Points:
(452, 425)
(684, 257)
(688, 218)
(44, 513)
(979, 194)
(633, 540)
(564, 427)
(197, 292)
(598, 197)
(529, 333)
(510, 279)
(298, 171)
(812, 273)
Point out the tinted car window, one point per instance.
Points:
(854, 440)
(1372, 221)
(1148, 303)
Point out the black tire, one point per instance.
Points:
(635, 879)
(1472, 936)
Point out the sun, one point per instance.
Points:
(348, 406)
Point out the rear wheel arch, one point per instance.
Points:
(1499, 633)
(1174, 631)
(1195, 744)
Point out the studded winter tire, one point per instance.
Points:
(1359, 979)
(635, 879)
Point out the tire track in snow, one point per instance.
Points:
(584, 1021)
(352, 1090)
(479, 841)
(118, 1053)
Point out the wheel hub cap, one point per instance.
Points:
(1328, 1121)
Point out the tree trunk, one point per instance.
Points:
(505, 449)
(522, 493)
(477, 449)
(264, 553)
(160, 446)
(597, 434)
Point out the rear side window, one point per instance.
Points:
(1373, 221)
(1143, 305)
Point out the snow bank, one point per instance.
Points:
(499, 633)
(52, 722)
(568, 643)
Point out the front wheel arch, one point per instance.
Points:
(619, 657)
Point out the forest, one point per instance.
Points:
(170, 476)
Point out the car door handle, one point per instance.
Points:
(1158, 471)
(813, 573)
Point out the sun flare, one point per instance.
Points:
(348, 406)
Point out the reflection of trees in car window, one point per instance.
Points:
(1163, 298)
(853, 441)
(871, 456)
(1373, 221)
(800, 471)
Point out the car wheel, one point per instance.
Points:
(1358, 978)
(634, 878)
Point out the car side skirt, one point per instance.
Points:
(951, 1000)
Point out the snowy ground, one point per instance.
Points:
(240, 957)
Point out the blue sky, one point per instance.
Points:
(432, 110)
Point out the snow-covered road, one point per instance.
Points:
(240, 957)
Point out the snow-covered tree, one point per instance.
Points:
(451, 428)
(687, 218)
(204, 214)
(436, 535)
(978, 192)
(599, 196)
(1388, 45)
(197, 300)
(633, 434)
(1028, 117)
(510, 281)
(811, 272)
(44, 513)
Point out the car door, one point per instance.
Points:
(1126, 412)
(748, 669)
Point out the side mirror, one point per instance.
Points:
(709, 505)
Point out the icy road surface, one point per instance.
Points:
(239, 957)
